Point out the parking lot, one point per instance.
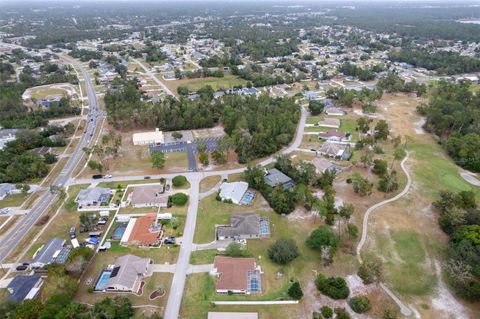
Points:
(211, 144)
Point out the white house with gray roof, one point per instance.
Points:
(244, 226)
(47, 254)
(233, 191)
(128, 273)
(93, 197)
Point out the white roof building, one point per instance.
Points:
(233, 191)
(147, 138)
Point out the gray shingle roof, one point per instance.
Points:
(241, 225)
(275, 177)
(20, 286)
(49, 250)
(130, 269)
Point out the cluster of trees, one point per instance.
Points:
(62, 307)
(85, 55)
(13, 113)
(452, 115)
(18, 163)
(460, 219)
(445, 62)
(257, 126)
(200, 73)
(393, 83)
(363, 74)
(259, 77)
(348, 97)
(283, 200)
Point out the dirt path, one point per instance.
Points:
(403, 309)
(363, 239)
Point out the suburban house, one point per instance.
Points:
(330, 122)
(93, 197)
(8, 189)
(24, 287)
(127, 274)
(49, 252)
(237, 275)
(237, 192)
(148, 138)
(149, 196)
(322, 165)
(334, 135)
(6, 136)
(232, 315)
(244, 226)
(274, 177)
(311, 95)
(334, 111)
(143, 231)
(331, 150)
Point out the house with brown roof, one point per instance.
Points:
(237, 275)
(143, 231)
(149, 196)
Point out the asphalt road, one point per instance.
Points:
(154, 77)
(190, 148)
(174, 302)
(18, 232)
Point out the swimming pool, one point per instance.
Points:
(102, 280)
(118, 231)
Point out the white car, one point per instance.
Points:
(107, 176)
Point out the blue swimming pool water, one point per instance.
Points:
(102, 280)
(118, 231)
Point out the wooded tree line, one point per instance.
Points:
(460, 219)
(258, 126)
(444, 62)
(453, 114)
(13, 113)
(18, 163)
(363, 74)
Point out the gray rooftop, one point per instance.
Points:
(89, 195)
(241, 225)
(48, 252)
(275, 177)
(129, 267)
(20, 286)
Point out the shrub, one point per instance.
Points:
(333, 287)
(327, 312)
(370, 270)
(295, 291)
(179, 199)
(235, 250)
(360, 304)
(283, 251)
(323, 236)
(341, 313)
(179, 181)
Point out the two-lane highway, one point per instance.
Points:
(21, 229)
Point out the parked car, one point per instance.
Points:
(107, 176)
(72, 233)
(97, 176)
(21, 268)
(147, 177)
(170, 240)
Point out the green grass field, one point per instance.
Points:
(13, 200)
(435, 171)
(226, 82)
